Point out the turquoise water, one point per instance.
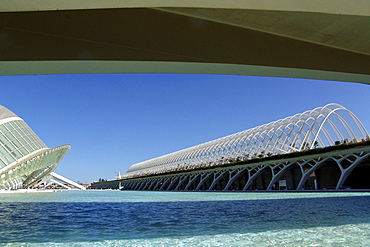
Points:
(129, 218)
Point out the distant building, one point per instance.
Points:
(24, 158)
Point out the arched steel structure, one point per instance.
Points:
(320, 127)
(337, 170)
(344, 168)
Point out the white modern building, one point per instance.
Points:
(321, 127)
(326, 148)
(24, 158)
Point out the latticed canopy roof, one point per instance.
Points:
(320, 127)
(24, 158)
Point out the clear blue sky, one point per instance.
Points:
(115, 121)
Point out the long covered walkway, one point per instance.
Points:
(321, 127)
(335, 170)
(323, 148)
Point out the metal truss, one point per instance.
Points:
(320, 127)
(264, 176)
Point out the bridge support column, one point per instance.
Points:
(253, 174)
(217, 176)
(348, 170)
(192, 179)
(165, 182)
(203, 178)
(173, 181)
(233, 176)
(280, 170)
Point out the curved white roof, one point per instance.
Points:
(6, 113)
(24, 158)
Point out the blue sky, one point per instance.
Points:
(113, 121)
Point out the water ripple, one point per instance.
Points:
(329, 221)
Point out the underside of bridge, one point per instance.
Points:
(303, 39)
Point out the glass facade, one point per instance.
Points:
(24, 158)
(16, 141)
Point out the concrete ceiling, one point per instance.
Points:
(304, 39)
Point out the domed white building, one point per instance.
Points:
(24, 158)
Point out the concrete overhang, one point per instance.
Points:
(327, 40)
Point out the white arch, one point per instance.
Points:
(305, 130)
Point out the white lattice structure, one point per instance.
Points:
(320, 127)
(24, 158)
